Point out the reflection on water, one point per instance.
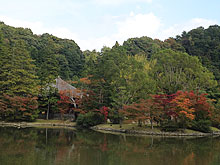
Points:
(61, 146)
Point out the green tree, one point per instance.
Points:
(17, 74)
(47, 73)
(205, 44)
(120, 79)
(18, 83)
(90, 61)
(179, 71)
(143, 46)
(67, 52)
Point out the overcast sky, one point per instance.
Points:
(97, 23)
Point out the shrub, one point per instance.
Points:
(169, 126)
(201, 125)
(89, 119)
(114, 116)
(18, 108)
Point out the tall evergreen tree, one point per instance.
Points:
(17, 73)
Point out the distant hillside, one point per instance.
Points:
(63, 54)
(204, 43)
(69, 60)
(200, 42)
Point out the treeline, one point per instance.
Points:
(113, 78)
(127, 86)
(29, 66)
(135, 81)
(61, 56)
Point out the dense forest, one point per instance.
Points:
(174, 83)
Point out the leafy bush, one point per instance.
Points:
(89, 119)
(169, 126)
(201, 125)
(18, 108)
(114, 116)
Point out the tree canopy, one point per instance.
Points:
(145, 78)
(205, 44)
(179, 71)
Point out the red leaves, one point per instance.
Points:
(18, 103)
(104, 110)
(183, 105)
(193, 103)
(64, 102)
(140, 111)
(163, 102)
(86, 80)
(18, 106)
(188, 105)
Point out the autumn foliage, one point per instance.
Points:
(104, 111)
(138, 111)
(64, 103)
(17, 108)
(182, 108)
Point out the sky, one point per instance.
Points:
(93, 24)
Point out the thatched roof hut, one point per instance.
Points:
(68, 89)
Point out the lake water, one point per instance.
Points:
(30, 146)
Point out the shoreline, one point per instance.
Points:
(99, 128)
(141, 132)
(37, 124)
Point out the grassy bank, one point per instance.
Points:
(41, 123)
(138, 128)
(134, 129)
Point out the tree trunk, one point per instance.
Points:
(151, 123)
(46, 135)
(120, 122)
(139, 123)
(152, 141)
(48, 109)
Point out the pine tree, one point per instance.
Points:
(18, 83)
(17, 74)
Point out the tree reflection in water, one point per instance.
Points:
(65, 146)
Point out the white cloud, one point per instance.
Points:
(25, 24)
(118, 2)
(96, 43)
(138, 25)
(177, 29)
(146, 25)
(133, 25)
(38, 27)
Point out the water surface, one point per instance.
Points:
(30, 146)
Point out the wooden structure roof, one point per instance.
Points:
(68, 89)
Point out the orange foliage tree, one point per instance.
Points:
(181, 108)
(142, 111)
(192, 105)
(64, 103)
(163, 102)
(17, 108)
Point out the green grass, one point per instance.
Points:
(190, 131)
(214, 129)
(52, 121)
(49, 121)
(43, 121)
(130, 127)
(146, 128)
